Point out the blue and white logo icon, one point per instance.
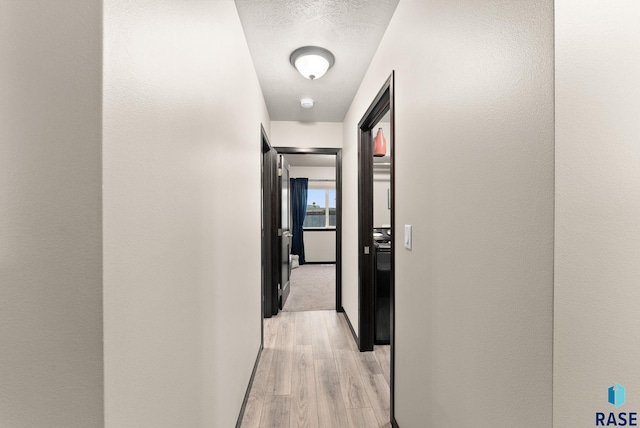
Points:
(616, 395)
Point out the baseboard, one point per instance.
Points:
(394, 423)
(246, 394)
(353, 332)
(319, 263)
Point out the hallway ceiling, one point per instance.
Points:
(350, 29)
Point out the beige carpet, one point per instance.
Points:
(313, 288)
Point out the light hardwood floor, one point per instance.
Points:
(311, 375)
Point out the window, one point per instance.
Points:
(321, 208)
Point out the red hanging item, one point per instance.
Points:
(379, 144)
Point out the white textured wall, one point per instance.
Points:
(597, 250)
(319, 246)
(314, 172)
(474, 140)
(381, 185)
(306, 134)
(50, 214)
(182, 114)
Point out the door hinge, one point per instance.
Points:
(279, 172)
(279, 290)
(279, 232)
(366, 250)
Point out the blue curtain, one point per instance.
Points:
(299, 188)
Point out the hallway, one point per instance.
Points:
(311, 374)
(131, 134)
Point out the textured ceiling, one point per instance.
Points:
(350, 29)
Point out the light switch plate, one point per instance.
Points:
(407, 236)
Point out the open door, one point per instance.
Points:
(270, 224)
(276, 229)
(284, 230)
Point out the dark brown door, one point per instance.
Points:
(270, 218)
(284, 230)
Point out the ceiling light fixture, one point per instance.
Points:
(312, 61)
(306, 103)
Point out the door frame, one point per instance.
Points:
(383, 102)
(338, 153)
(269, 243)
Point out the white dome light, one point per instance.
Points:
(312, 66)
(306, 103)
(312, 61)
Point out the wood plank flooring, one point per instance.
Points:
(311, 375)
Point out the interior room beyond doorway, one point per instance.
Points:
(313, 273)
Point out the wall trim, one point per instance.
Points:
(353, 332)
(394, 423)
(320, 263)
(337, 151)
(246, 394)
(381, 104)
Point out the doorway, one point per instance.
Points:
(337, 155)
(313, 201)
(273, 256)
(376, 256)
